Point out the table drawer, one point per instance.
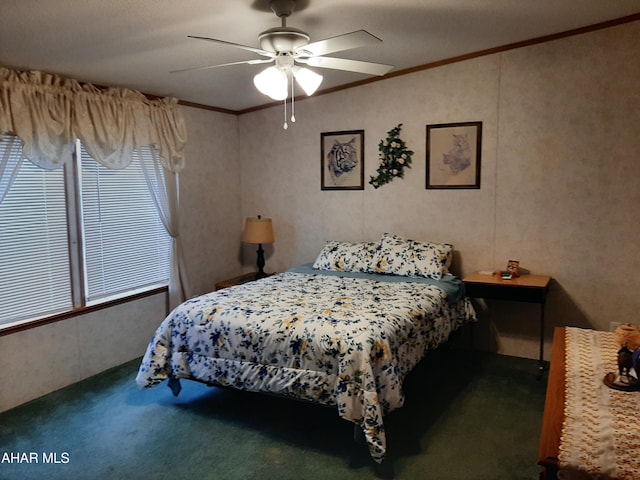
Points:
(506, 292)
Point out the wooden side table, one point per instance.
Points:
(525, 288)
(239, 280)
(554, 408)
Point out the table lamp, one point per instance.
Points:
(258, 230)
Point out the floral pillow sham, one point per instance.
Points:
(431, 259)
(394, 256)
(391, 255)
(346, 256)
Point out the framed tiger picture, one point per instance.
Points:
(342, 160)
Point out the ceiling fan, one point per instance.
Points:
(287, 47)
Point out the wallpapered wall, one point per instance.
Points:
(560, 191)
(560, 185)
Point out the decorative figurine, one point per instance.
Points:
(625, 361)
(513, 266)
(626, 335)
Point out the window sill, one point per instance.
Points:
(29, 324)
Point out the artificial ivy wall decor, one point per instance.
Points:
(394, 157)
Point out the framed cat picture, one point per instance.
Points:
(342, 160)
(453, 155)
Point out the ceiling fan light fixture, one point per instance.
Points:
(307, 79)
(272, 82)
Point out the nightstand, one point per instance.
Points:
(239, 280)
(525, 288)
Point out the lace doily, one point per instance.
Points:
(601, 430)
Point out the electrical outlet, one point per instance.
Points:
(613, 326)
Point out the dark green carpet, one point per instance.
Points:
(465, 417)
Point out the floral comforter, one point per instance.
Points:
(332, 339)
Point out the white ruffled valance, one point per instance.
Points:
(49, 112)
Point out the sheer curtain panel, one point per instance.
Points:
(163, 186)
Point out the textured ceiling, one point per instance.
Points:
(136, 43)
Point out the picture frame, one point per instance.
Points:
(454, 155)
(342, 160)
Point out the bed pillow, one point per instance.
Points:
(431, 259)
(399, 256)
(346, 256)
(394, 256)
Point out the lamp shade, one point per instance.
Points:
(307, 79)
(273, 82)
(258, 230)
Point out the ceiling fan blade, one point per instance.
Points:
(259, 51)
(206, 67)
(359, 38)
(348, 65)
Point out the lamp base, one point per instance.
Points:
(260, 262)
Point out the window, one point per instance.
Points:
(34, 259)
(77, 236)
(125, 244)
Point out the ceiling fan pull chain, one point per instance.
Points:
(285, 126)
(293, 103)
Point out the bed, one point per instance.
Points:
(344, 335)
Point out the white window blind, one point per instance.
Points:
(34, 250)
(108, 214)
(126, 246)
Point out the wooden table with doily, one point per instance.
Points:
(589, 429)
